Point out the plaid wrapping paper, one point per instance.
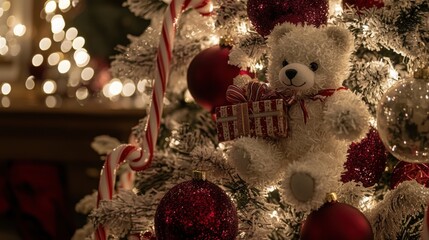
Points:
(265, 118)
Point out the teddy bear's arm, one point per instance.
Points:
(346, 116)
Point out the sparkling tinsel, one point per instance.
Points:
(366, 160)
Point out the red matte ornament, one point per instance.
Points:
(265, 14)
(366, 160)
(209, 76)
(405, 171)
(196, 210)
(339, 221)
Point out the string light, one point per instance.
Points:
(50, 7)
(19, 30)
(29, 83)
(5, 102)
(64, 66)
(54, 59)
(37, 60)
(87, 73)
(6, 88)
(82, 93)
(49, 86)
(45, 44)
(64, 5)
(129, 88)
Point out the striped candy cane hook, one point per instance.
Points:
(140, 158)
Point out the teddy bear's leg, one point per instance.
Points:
(307, 180)
(256, 160)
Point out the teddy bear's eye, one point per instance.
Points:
(284, 63)
(314, 66)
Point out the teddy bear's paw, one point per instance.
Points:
(306, 183)
(346, 116)
(255, 160)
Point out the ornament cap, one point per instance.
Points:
(199, 175)
(422, 73)
(331, 197)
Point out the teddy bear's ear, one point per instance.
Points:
(278, 32)
(341, 37)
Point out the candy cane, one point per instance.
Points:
(140, 158)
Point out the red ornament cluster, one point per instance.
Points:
(366, 160)
(196, 210)
(265, 14)
(339, 221)
(405, 171)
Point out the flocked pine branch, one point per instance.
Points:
(390, 218)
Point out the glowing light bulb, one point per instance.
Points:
(29, 83)
(3, 42)
(52, 101)
(54, 59)
(141, 85)
(19, 30)
(115, 87)
(87, 73)
(82, 93)
(338, 10)
(81, 57)
(49, 86)
(50, 7)
(4, 50)
(57, 23)
(11, 21)
(66, 46)
(71, 33)
(64, 66)
(58, 37)
(45, 44)
(129, 88)
(5, 102)
(37, 60)
(64, 4)
(6, 88)
(78, 43)
(5, 5)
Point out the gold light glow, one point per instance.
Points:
(57, 23)
(19, 30)
(37, 60)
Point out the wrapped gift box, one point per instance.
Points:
(265, 119)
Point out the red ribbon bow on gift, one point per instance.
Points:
(253, 91)
(256, 91)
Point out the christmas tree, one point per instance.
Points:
(310, 119)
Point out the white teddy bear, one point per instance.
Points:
(308, 64)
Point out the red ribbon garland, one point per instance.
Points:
(256, 91)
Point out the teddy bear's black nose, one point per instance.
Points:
(291, 73)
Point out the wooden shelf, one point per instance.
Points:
(33, 132)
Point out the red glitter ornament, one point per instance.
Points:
(366, 160)
(363, 4)
(405, 171)
(335, 220)
(265, 14)
(196, 210)
(209, 76)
